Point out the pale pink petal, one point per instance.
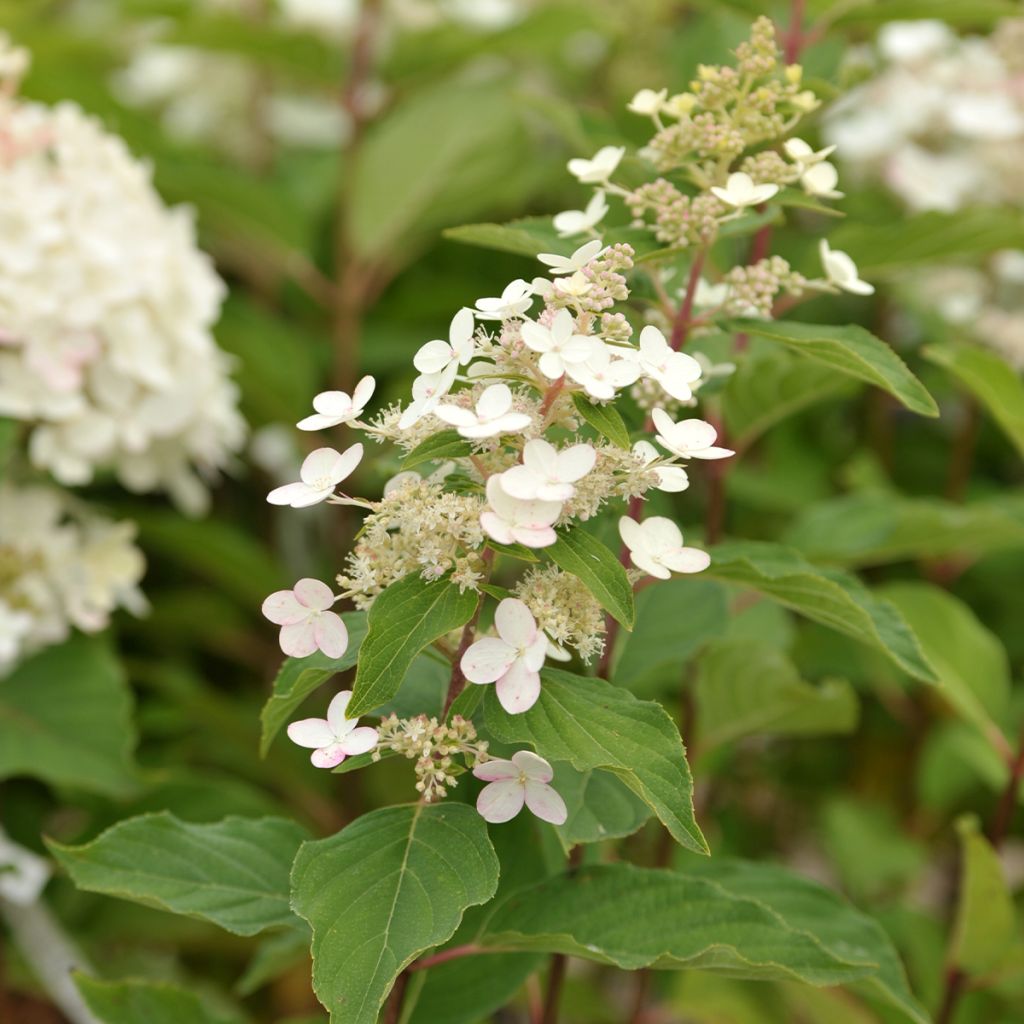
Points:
(576, 462)
(501, 801)
(520, 482)
(328, 757)
(494, 402)
(283, 609)
(331, 634)
(515, 623)
(496, 528)
(518, 689)
(496, 770)
(534, 655)
(433, 357)
(363, 393)
(533, 536)
(545, 803)
(316, 596)
(455, 415)
(359, 741)
(340, 725)
(311, 732)
(687, 560)
(335, 404)
(288, 494)
(533, 766)
(298, 640)
(487, 660)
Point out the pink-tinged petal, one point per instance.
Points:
(359, 741)
(455, 415)
(520, 482)
(497, 528)
(535, 337)
(313, 594)
(319, 466)
(328, 757)
(288, 494)
(545, 803)
(311, 732)
(662, 534)
(518, 689)
(283, 609)
(576, 462)
(331, 634)
(515, 623)
(340, 725)
(533, 766)
(487, 660)
(298, 640)
(712, 452)
(495, 401)
(533, 536)
(318, 422)
(335, 404)
(501, 801)
(533, 656)
(363, 393)
(433, 357)
(687, 560)
(496, 770)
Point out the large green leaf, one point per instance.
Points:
(600, 805)
(583, 555)
(605, 419)
(835, 599)
(526, 237)
(749, 688)
(991, 380)
(850, 350)
(592, 724)
(299, 677)
(233, 872)
(391, 885)
(144, 1002)
(66, 718)
(634, 917)
(404, 619)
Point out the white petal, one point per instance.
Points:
(545, 803)
(310, 496)
(495, 401)
(515, 623)
(496, 770)
(540, 457)
(661, 534)
(510, 423)
(518, 689)
(433, 357)
(318, 422)
(359, 741)
(536, 652)
(686, 560)
(555, 492)
(533, 766)
(501, 801)
(535, 337)
(653, 345)
(319, 465)
(455, 415)
(311, 732)
(576, 462)
(712, 453)
(632, 534)
(363, 393)
(460, 334)
(330, 634)
(694, 434)
(283, 609)
(672, 479)
(340, 725)
(520, 483)
(288, 494)
(496, 528)
(328, 757)
(646, 562)
(551, 365)
(533, 536)
(663, 423)
(335, 404)
(298, 640)
(313, 594)
(487, 660)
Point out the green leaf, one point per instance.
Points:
(748, 688)
(605, 419)
(850, 350)
(143, 1002)
(386, 888)
(299, 677)
(471, 989)
(835, 599)
(971, 665)
(233, 872)
(277, 954)
(517, 551)
(66, 718)
(633, 917)
(600, 806)
(404, 619)
(526, 237)
(592, 724)
(969, 13)
(991, 380)
(583, 555)
(446, 444)
(985, 926)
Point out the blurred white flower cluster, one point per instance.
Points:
(106, 309)
(61, 567)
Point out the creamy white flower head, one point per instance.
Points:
(575, 222)
(335, 407)
(522, 780)
(558, 345)
(689, 439)
(563, 266)
(445, 357)
(546, 473)
(671, 479)
(740, 191)
(427, 391)
(601, 374)
(656, 547)
(842, 271)
(820, 180)
(514, 301)
(335, 737)
(491, 416)
(513, 521)
(803, 155)
(647, 102)
(322, 471)
(599, 168)
(306, 620)
(674, 371)
(512, 660)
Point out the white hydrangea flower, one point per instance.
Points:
(427, 391)
(510, 520)
(335, 737)
(671, 479)
(306, 620)
(842, 271)
(599, 168)
(335, 407)
(576, 222)
(514, 301)
(522, 780)
(648, 103)
(558, 345)
(803, 155)
(547, 474)
(565, 266)
(656, 547)
(443, 358)
(820, 179)
(740, 191)
(321, 472)
(689, 439)
(601, 374)
(674, 371)
(491, 416)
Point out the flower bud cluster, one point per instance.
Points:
(754, 288)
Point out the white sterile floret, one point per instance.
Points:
(558, 345)
(599, 168)
(522, 780)
(803, 155)
(710, 296)
(842, 271)
(306, 620)
(689, 439)
(647, 102)
(336, 407)
(322, 471)
(575, 286)
(575, 222)
(656, 547)
(601, 374)
(820, 180)
(427, 391)
(547, 473)
(674, 371)
(564, 266)
(671, 479)
(512, 660)
(491, 416)
(740, 191)
(514, 301)
(510, 520)
(445, 357)
(335, 737)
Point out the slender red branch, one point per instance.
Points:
(684, 318)
(559, 962)
(457, 683)
(455, 953)
(794, 40)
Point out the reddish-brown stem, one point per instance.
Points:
(457, 683)
(559, 962)
(551, 394)
(953, 989)
(393, 1008)
(684, 318)
(795, 36)
(455, 953)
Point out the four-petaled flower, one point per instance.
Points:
(803, 155)
(522, 780)
(820, 180)
(558, 344)
(321, 472)
(842, 271)
(513, 521)
(514, 301)
(334, 737)
(512, 660)
(336, 407)
(602, 375)
(656, 547)
(575, 222)
(445, 357)
(674, 371)
(648, 103)
(689, 439)
(491, 416)
(671, 479)
(306, 620)
(599, 168)
(740, 191)
(564, 266)
(546, 473)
